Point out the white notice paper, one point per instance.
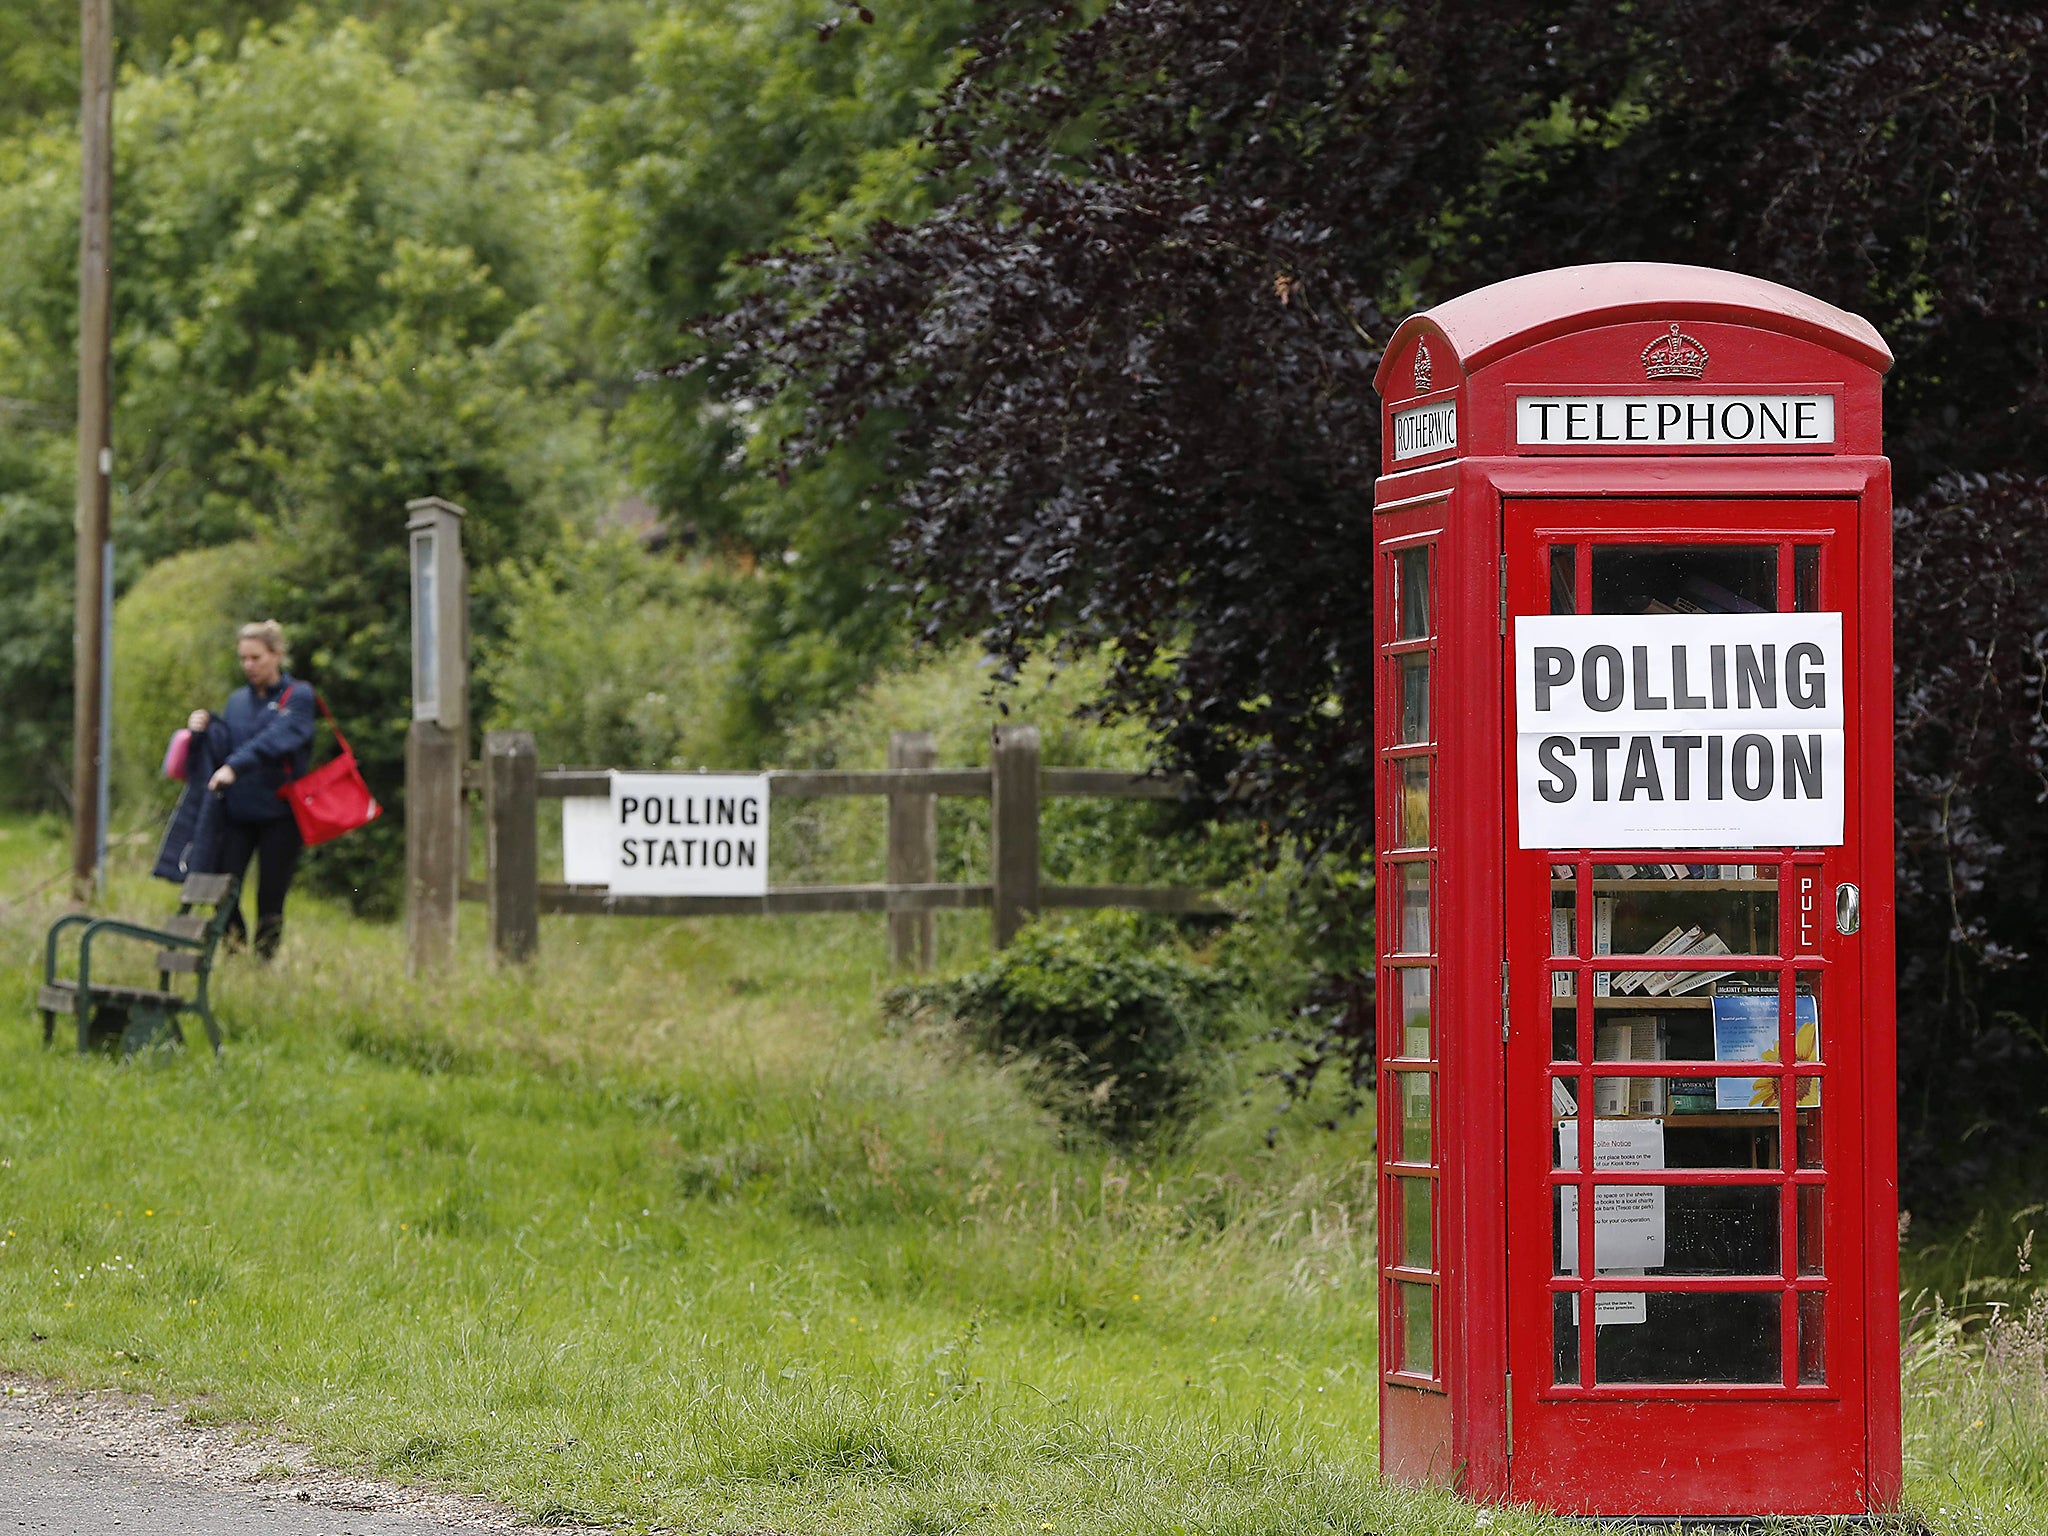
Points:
(587, 852)
(1628, 1220)
(1679, 730)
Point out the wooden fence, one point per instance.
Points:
(1016, 783)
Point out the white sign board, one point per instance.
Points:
(1679, 730)
(586, 841)
(1425, 429)
(671, 834)
(1674, 421)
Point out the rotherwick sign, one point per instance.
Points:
(1674, 421)
(1429, 428)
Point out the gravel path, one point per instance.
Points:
(97, 1463)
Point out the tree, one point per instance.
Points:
(747, 126)
(318, 253)
(1121, 371)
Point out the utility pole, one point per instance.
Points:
(95, 442)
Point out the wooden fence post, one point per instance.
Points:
(512, 844)
(1013, 828)
(913, 852)
(435, 844)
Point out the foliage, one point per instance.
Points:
(951, 694)
(560, 53)
(650, 687)
(35, 616)
(747, 126)
(1122, 368)
(1972, 787)
(174, 652)
(329, 303)
(452, 396)
(1113, 1020)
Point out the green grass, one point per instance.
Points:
(672, 1232)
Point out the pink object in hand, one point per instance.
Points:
(176, 753)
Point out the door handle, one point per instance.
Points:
(1848, 908)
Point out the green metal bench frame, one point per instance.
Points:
(186, 945)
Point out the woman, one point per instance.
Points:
(269, 728)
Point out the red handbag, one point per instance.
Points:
(331, 799)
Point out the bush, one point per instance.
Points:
(953, 694)
(1114, 1022)
(650, 687)
(174, 652)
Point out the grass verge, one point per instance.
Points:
(671, 1233)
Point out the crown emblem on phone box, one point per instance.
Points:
(1675, 356)
(1422, 367)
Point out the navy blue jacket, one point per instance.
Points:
(266, 746)
(191, 844)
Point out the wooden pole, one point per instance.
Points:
(436, 844)
(95, 434)
(512, 844)
(1013, 828)
(913, 852)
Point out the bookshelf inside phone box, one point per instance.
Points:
(1633, 810)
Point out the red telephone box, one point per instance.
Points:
(1633, 590)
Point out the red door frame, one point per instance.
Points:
(1698, 1449)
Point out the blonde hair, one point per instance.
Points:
(269, 631)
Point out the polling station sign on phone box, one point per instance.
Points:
(670, 834)
(1679, 730)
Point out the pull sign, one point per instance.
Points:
(1679, 730)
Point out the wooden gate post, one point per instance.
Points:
(1013, 828)
(512, 844)
(435, 846)
(913, 852)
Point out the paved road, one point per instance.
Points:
(68, 1492)
(113, 1464)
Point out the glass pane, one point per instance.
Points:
(1729, 1337)
(1678, 1229)
(1414, 575)
(1564, 1333)
(1747, 1029)
(1414, 1088)
(1418, 1335)
(1415, 928)
(1808, 984)
(1722, 1230)
(1415, 990)
(1414, 802)
(1684, 578)
(1813, 1355)
(1414, 1199)
(1810, 1199)
(426, 669)
(1564, 578)
(1694, 1133)
(1679, 909)
(1564, 934)
(1414, 699)
(1806, 578)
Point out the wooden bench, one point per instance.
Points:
(133, 1018)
